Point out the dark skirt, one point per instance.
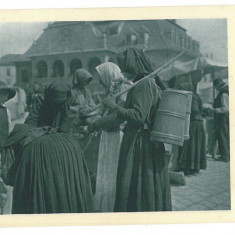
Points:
(142, 178)
(192, 156)
(52, 177)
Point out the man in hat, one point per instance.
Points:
(221, 110)
(6, 93)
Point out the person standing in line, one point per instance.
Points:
(192, 156)
(111, 78)
(221, 111)
(142, 176)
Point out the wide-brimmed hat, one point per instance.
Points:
(11, 91)
(219, 83)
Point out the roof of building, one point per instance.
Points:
(10, 59)
(68, 39)
(65, 37)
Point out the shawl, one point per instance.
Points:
(55, 107)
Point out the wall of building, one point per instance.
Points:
(8, 74)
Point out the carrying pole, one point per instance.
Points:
(144, 78)
(132, 86)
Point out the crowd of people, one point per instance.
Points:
(73, 155)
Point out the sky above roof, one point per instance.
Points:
(18, 37)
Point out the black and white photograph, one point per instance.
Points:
(114, 116)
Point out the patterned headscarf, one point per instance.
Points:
(110, 76)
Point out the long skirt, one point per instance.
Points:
(222, 134)
(192, 156)
(52, 177)
(142, 177)
(107, 171)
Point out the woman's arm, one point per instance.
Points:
(139, 102)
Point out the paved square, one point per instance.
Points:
(209, 190)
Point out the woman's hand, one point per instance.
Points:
(92, 127)
(110, 102)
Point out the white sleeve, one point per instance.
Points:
(9, 120)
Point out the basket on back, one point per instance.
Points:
(172, 120)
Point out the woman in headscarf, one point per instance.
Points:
(111, 78)
(47, 170)
(81, 98)
(192, 156)
(81, 115)
(54, 109)
(142, 177)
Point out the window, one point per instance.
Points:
(93, 62)
(74, 65)
(131, 39)
(58, 69)
(41, 69)
(8, 72)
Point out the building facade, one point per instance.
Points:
(64, 47)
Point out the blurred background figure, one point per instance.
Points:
(17, 105)
(35, 97)
(221, 111)
(192, 156)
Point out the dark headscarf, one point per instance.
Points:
(135, 62)
(55, 107)
(81, 75)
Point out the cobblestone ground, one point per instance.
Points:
(209, 190)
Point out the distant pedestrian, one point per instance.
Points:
(221, 111)
(35, 97)
(192, 156)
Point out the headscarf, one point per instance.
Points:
(110, 76)
(135, 62)
(81, 75)
(55, 107)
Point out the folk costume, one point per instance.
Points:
(54, 109)
(142, 176)
(192, 156)
(47, 170)
(221, 106)
(112, 79)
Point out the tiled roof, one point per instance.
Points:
(12, 58)
(67, 38)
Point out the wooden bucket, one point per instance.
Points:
(188, 112)
(170, 118)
